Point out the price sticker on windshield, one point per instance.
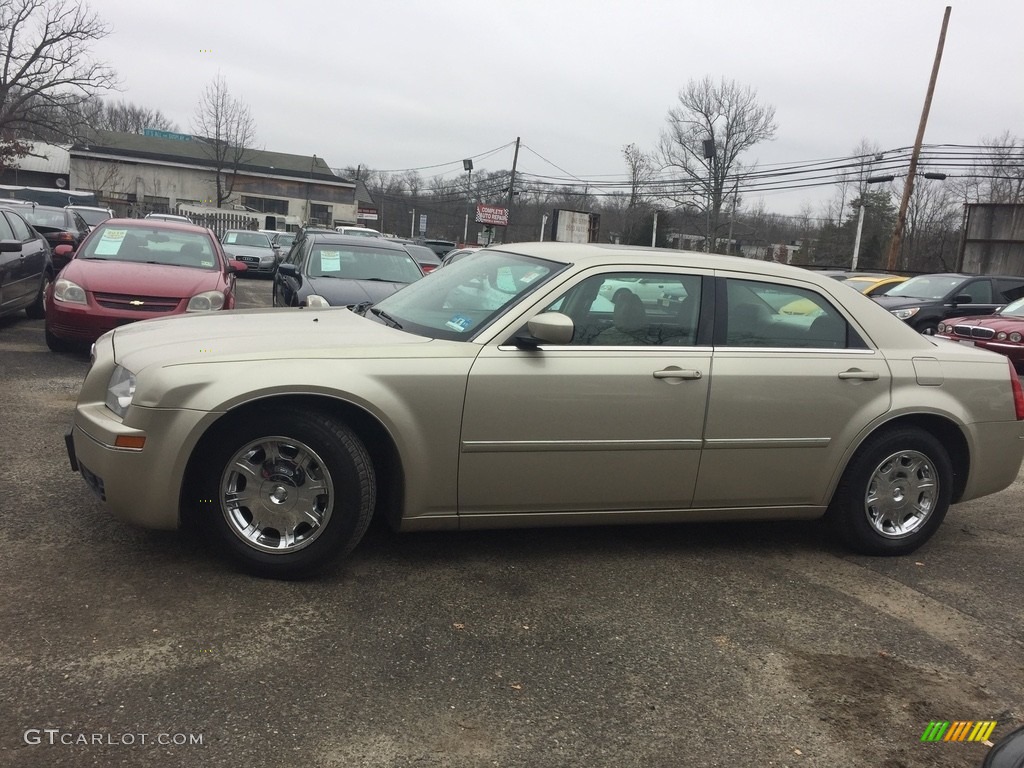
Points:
(110, 243)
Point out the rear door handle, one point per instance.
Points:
(677, 373)
(859, 375)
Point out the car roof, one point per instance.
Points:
(369, 242)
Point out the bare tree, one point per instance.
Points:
(46, 70)
(725, 113)
(129, 117)
(228, 131)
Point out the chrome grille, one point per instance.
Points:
(132, 303)
(974, 332)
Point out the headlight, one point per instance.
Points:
(205, 302)
(1015, 337)
(316, 302)
(71, 293)
(942, 328)
(1001, 336)
(120, 390)
(906, 314)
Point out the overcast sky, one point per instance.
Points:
(400, 84)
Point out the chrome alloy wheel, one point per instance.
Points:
(276, 495)
(901, 494)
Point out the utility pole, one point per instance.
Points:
(901, 219)
(511, 188)
(654, 231)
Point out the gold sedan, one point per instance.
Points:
(528, 385)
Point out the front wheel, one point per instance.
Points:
(894, 493)
(290, 492)
(928, 328)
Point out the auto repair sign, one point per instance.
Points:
(494, 215)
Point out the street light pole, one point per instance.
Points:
(467, 165)
(709, 155)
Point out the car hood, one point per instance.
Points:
(902, 302)
(141, 279)
(247, 250)
(255, 334)
(995, 322)
(340, 293)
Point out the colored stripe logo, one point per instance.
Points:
(958, 730)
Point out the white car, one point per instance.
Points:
(170, 217)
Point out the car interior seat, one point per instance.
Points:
(629, 322)
(748, 323)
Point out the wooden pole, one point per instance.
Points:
(908, 188)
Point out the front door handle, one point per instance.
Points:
(677, 373)
(859, 375)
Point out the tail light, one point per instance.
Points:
(1018, 393)
(428, 267)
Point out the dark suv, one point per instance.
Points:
(924, 301)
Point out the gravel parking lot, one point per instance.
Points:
(690, 645)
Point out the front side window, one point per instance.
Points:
(633, 309)
(762, 314)
(21, 230)
(980, 291)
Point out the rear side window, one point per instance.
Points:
(762, 314)
(1010, 290)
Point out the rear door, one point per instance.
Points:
(24, 270)
(789, 392)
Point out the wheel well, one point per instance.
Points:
(378, 442)
(952, 440)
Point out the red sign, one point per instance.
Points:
(367, 213)
(493, 215)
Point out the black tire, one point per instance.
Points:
(57, 344)
(37, 309)
(314, 452)
(921, 477)
(928, 327)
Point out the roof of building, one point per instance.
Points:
(198, 151)
(44, 158)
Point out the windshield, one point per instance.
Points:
(458, 301)
(250, 239)
(358, 262)
(1013, 309)
(926, 287)
(284, 239)
(150, 246)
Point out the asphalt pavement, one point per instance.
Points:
(691, 645)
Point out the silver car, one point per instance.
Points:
(507, 390)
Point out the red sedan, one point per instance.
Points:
(135, 269)
(1001, 332)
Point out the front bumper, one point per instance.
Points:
(140, 486)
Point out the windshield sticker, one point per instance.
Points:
(110, 243)
(207, 262)
(459, 323)
(231, 237)
(330, 261)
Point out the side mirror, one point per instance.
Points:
(64, 251)
(234, 265)
(547, 328)
(962, 298)
(10, 246)
(288, 270)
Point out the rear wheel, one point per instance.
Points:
(37, 309)
(290, 492)
(894, 493)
